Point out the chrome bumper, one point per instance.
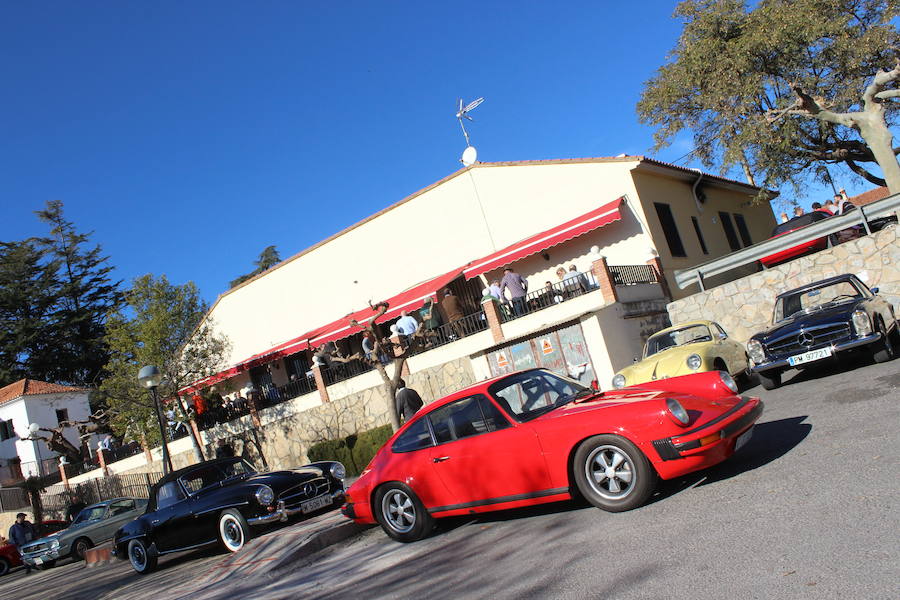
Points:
(782, 363)
(43, 555)
(281, 513)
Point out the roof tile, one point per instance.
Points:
(33, 387)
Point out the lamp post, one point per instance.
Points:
(33, 429)
(150, 378)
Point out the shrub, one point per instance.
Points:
(354, 451)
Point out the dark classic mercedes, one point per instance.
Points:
(820, 320)
(220, 501)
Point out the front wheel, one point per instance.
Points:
(612, 473)
(141, 556)
(769, 379)
(234, 532)
(401, 514)
(80, 547)
(884, 348)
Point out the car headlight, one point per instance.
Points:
(861, 322)
(756, 352)
(338, 471)
(264, 495)
(728, 380)
(677, 412)
(54, 544)
(694, 362)
(618, 381)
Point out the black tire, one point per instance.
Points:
(234, 532)
(719, 365)
(401, 514)
(769, 379)
(47, 564)
(81, 546)
(599, 457)
(4, 567)
(884, 348)
(141, 556)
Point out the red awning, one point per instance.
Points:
(411, 299)
(541, 241)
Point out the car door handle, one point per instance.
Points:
(440, 459)
(154, 521)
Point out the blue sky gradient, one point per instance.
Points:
(189, 136)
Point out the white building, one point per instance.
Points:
(28, 401)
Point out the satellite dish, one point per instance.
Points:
(469, 156)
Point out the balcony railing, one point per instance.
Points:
(339, 371)
(450, 332)
(633, 274)
(547, 296)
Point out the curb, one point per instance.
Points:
(319, 540)
(100, 556)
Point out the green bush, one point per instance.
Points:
(354, 451)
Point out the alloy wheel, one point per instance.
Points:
(138, 556)
(232, 534)
(399, 511)
(610, 472)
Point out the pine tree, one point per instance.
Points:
(268, 258)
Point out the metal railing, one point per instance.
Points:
(222, 414)
(862, 216)
(12, 498)
(57, 498)
(450, 332)
(289, 391)
(547, 296)
(339, 371)
(633, 274)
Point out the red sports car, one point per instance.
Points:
(9, 556)
(800, 249)
(534, 436)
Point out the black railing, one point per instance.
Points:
(123, 452)
(545, 297)
(289, 391)
(450, 332)
(633, 274)
(339, 371)
(222, 414)
(57, 498)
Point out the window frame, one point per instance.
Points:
(671, 236)
(477, 398)
(412, 424)
(743, 231)
(65, 412)
(700, 238)
(731, 235)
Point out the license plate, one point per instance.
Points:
(743, 439)
(315, 504)
(812, 355)
(38, 560)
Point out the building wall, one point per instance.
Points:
(654, 187)
(744, 306)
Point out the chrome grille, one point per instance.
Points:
(305, 491)
(36, 548)
(809, 339)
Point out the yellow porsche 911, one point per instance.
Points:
(684, 349)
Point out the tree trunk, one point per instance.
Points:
(874, 130)
(198, 451)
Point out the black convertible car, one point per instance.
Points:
(221, 501)
(821, 320)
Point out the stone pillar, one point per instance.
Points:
(196, 431)
(101, 457)
(604, 278)
(656, 264)
(492, 313)
(64, 476)
(320, 383)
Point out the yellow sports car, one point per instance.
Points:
(685, 349)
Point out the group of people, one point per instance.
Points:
(571, 282)
(838, 205)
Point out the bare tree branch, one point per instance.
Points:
(865, 174)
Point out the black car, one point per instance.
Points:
(221, 501)
(821, 320)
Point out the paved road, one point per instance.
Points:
(807, 510)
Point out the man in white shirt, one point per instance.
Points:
(406, 326)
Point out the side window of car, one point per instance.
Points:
(493, 417)
(168, 494)
(460, 419)
(717, 329)
(122, 506)
(416, 437)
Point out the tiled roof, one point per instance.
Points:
(32, 387)
(871, 196)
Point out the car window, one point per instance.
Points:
(718, 330)
(529, 394)
(120, 506)
(416, 437)
(204, 477)
(91, 513)
(458, 420)
(492, 415)
(814, 299)
(168, 494)
(676, 337)
(53, 527)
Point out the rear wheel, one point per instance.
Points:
(401, 514)
(234, 532)
(770, 379)
(884, 348)
(141, 556)
(79, 548)
(612, 473)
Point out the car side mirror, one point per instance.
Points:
(722, 336)
(874, 290)
(635, 359)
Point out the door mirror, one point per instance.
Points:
(874, 290)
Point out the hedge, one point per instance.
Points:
(354, 451)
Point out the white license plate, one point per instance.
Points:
(812, 355)
(743, 439)
(315, 504)
(38, 560)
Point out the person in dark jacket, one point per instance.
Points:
(22, 532)
(224, 449)
(408, 401)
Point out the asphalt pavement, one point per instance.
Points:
(807, 509)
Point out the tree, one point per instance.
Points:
(782, 89)
(85, 296)
(164, 325)
(268, 258)
(27, 301)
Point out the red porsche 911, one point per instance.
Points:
(533, 437)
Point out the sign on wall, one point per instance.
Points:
(562, 351)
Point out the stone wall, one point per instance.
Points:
(744, 306)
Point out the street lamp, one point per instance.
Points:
(150, 378)
(33, 429)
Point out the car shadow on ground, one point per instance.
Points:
(770, 441)
(837, 365)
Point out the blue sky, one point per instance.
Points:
(189, 136)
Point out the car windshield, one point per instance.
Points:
(676, 337)
(817, 298)
(91, 513)
(212, 474)
(532, 393)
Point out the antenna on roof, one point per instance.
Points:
(470, 155)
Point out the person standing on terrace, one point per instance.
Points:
(517, 287)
